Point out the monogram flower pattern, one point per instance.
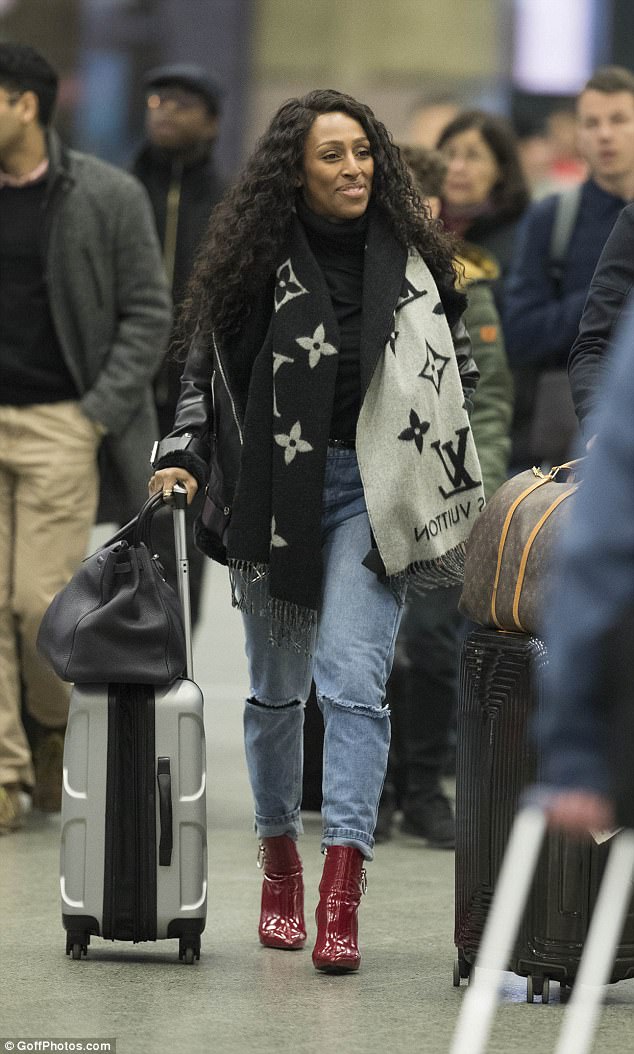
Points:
(277, 542)
(316, 346)
(416, 431)
(434, 366)
(278, 360)
(293, 443)
(288, 285)
(409, 293)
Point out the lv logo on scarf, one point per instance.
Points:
(414, 443)
(454, 464)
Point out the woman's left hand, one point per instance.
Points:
(165, 478)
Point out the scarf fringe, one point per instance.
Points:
(291, 626)
(425, 575)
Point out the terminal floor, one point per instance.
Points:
(240, 996)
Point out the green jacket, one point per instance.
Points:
(493, 398)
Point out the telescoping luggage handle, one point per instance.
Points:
(516, 875)
(178, 502)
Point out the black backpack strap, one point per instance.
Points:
(566, 212)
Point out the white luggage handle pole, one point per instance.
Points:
(500, 931)
(179, 504)
(583, 1010)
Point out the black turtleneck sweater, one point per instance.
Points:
(339, 251)
(32, 366)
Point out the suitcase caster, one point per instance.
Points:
(461, 970)
(537, 986)
(530, 989)
(188, 952)
(77, 945)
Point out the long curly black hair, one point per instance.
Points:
(249, 227)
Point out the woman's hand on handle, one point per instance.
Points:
(165, 479)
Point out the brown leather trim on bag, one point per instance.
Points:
(505, 531)
(527, 551)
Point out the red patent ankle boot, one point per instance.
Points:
(342, 883)
(282, 914)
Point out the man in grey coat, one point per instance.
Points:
(84, 319)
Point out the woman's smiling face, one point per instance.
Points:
(337, 171)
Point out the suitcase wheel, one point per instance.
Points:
(189, 951)
(77, 945)
(461, 969)
(537, 985)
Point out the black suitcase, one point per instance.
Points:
(501, 678)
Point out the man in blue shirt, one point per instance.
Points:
(542, 313)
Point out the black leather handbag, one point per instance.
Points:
(117, 620)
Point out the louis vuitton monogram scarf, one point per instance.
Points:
(418, 463)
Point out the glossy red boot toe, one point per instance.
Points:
(282, 913)
(343, 881)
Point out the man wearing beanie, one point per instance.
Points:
(176, 165)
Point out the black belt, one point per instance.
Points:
(343, 444)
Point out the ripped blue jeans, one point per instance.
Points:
(351, 662)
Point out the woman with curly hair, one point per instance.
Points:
(324, 405)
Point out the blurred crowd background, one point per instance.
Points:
(416, 62)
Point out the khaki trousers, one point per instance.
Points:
(48, 499)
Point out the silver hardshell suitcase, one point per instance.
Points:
(133, 863)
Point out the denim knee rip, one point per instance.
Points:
(273, 705)
(362, 709)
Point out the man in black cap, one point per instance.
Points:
(176, 163)
(177, 168)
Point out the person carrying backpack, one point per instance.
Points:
(557, 250)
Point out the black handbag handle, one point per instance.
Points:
(138, 529)
(142, 530)
(143, 526)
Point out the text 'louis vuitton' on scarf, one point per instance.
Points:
(417, 459)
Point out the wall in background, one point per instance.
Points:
(387, 54)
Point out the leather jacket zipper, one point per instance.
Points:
(224, 378)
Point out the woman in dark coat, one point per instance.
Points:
(324, 402)
(485, 192)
